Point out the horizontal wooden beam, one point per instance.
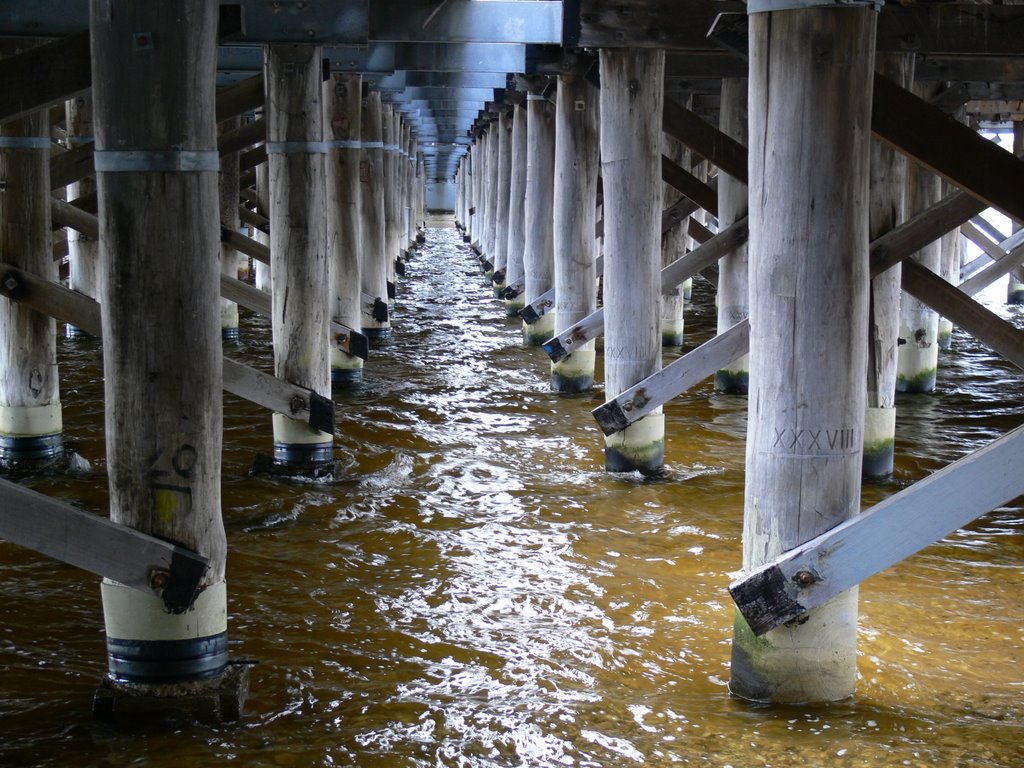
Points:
(245, 245)
(56, 529)
(242, 137)
(814, 572)
(955, 305)
(252, 298)
(678, 376)
(886, 251)
(670, 218)
(725, 242)
(947, 147)
(79, 310)
(66, 215)
(923, 228)
(689, 185)
(705, 139)
(45, 75)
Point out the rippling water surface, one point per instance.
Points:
(473, 589)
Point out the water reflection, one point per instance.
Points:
(473, 589)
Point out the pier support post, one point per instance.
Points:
(514, 258)
(373, 268)
(538, 251)
(808, 322)
(299, 274)
(733, 270)
(499, 257)
(1015, 286)
(491, 191)
(157, 163)
(342, 118)
(918, 358)
(83, 250)
(261, 270)
(632, 98)
(229, 218)
(575, 203)
(31, 423)
(888, 184)
(673, 246)
(392, 218)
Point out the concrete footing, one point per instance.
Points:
(220, 699)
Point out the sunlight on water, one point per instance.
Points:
(472, 589)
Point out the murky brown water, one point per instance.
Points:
(476, 591)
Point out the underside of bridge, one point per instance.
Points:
(572, 140)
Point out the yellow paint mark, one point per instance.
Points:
(166, 503)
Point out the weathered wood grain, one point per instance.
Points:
(95, 544)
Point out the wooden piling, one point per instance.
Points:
(261, 269)
(156, 174)
(575, 200)
(342, 119)
(392, 222)
(673, 246)
(810, 112)
(514, 277)
(631, 111)
(733, 270)
(83, 250)
(887, 211)
(1015, 285)
(918, 356)
(538, 250)
(31, 425)
(299, 274)
(491, 192)
(373, 268)
(228, 186)
(501, 211)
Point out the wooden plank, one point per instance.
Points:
(66, 215)
(947, 147)
(980, 239)
(245, 245)
(248, 383)
(244, 136)
(988, 228)
(974, 30)
(255, 300)
(704, 255)
(43, 76)
(560, 346)
(665, 24)
(689, 185)
(926, 227)
(705, 139)
(565, 343)
(56, 529)
(253, 219)
(68, 167)
(244, 96)
(812, 573)
(678, 376)
(1003, 265)
(954, 304)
